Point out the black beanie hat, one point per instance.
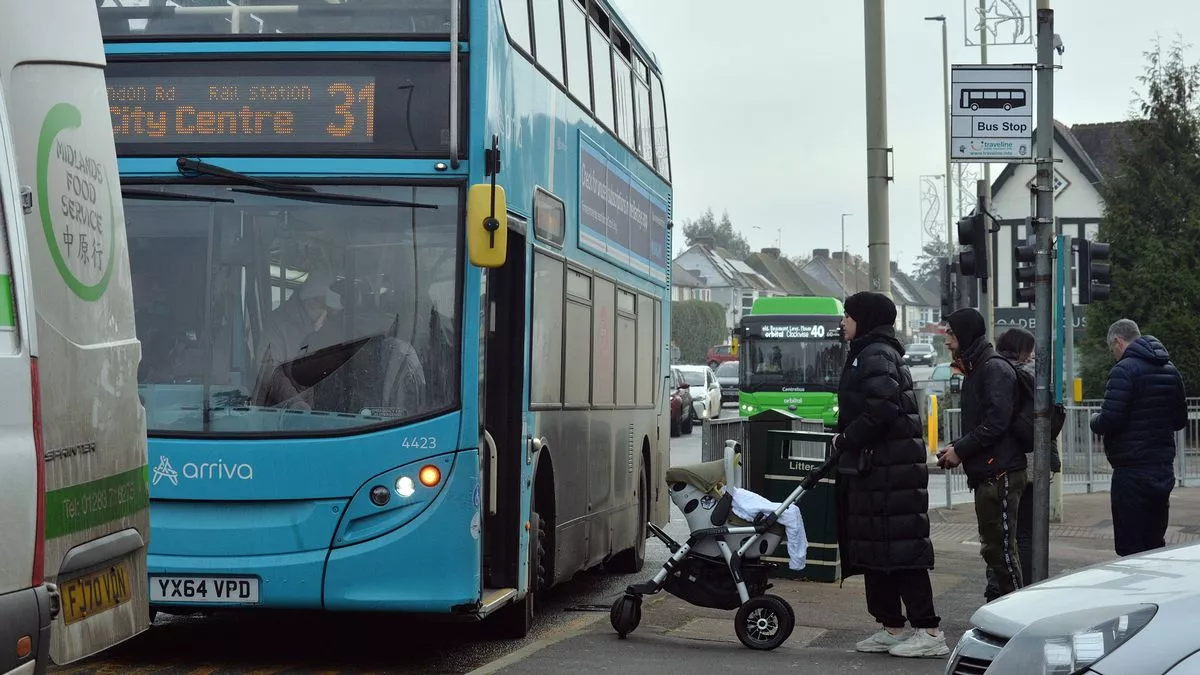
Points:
(870, 311)
(968, 326)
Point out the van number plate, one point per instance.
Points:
(95, 593)
(237, 590)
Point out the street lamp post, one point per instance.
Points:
(844, 255)
(946, 97)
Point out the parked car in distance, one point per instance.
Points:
(718, 354)
(1135, 614)
(706, 391)
(683, 412)
(729, 377)
(945, 380)
(920, 354)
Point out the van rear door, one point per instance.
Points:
(83, 339)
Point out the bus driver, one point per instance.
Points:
(285, 337)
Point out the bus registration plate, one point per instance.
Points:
(95, 593)
(173, 589)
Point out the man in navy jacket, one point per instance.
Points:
(1144, 406)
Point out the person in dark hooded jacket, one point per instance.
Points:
(1144, 406)
(992, 458)
(882, 483)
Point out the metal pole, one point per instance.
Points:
(946, 101)
(985, 298)
(983, 197)
(878, 245)
(1044, 224)
(843, 258)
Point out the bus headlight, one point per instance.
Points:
(405, 486)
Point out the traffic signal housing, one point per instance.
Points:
(972, 236)
(1095, 275)
(1024, 273)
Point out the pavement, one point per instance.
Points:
(830, 617)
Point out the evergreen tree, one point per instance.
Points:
(928, 268)
(722, 233)
(1152, 221)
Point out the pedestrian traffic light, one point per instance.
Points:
(1024, 273)
(1094, 277)
(972, 235)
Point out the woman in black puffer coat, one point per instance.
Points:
(883, 500)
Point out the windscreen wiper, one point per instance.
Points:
(158, 195)
(334, 198)
(191, 168)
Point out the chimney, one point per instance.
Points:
(895, 267)
(706, 242)
(820, 253)
(837, 255)
(771, 252)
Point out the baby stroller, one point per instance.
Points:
(720, 565)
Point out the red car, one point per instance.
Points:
(718, 354)
(683, 413)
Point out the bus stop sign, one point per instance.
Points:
(991, 113)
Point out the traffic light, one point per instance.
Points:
(1024, 273)
(972, 236)
(1094, 277)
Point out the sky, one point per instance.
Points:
(767, 107)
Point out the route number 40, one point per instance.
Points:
(420, 442)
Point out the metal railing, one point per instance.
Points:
(714, 433)
(1085, 467)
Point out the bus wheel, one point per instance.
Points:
(631, 560)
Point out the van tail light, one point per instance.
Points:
(39, 546)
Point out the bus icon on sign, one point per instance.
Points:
(992, 98)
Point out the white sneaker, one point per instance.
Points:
(882, 641)
(921, 644)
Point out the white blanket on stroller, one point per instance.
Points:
(747, 505)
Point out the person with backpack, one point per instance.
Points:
(1016, 345)
(991, 456)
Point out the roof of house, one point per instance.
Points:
(786, 276)
(1091, 147)
(684, 279)
(735, 272)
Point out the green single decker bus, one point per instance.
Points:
(791, 353)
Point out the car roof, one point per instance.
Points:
(692, 369)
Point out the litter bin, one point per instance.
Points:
(779, 457)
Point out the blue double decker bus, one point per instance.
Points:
(401, 278)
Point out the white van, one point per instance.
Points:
(74, 507)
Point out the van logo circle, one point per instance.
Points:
(76, 202)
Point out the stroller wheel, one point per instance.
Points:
(764, 622)
(626, 614)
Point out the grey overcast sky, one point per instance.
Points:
(766, 101)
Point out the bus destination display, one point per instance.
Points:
(243, 109)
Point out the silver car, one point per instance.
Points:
(1135, 614)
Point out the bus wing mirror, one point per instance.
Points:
(487, 225)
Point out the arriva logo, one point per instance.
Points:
(217, 470)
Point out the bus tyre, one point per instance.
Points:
(631, 560)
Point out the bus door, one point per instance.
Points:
(504, 412)
(93, 431)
